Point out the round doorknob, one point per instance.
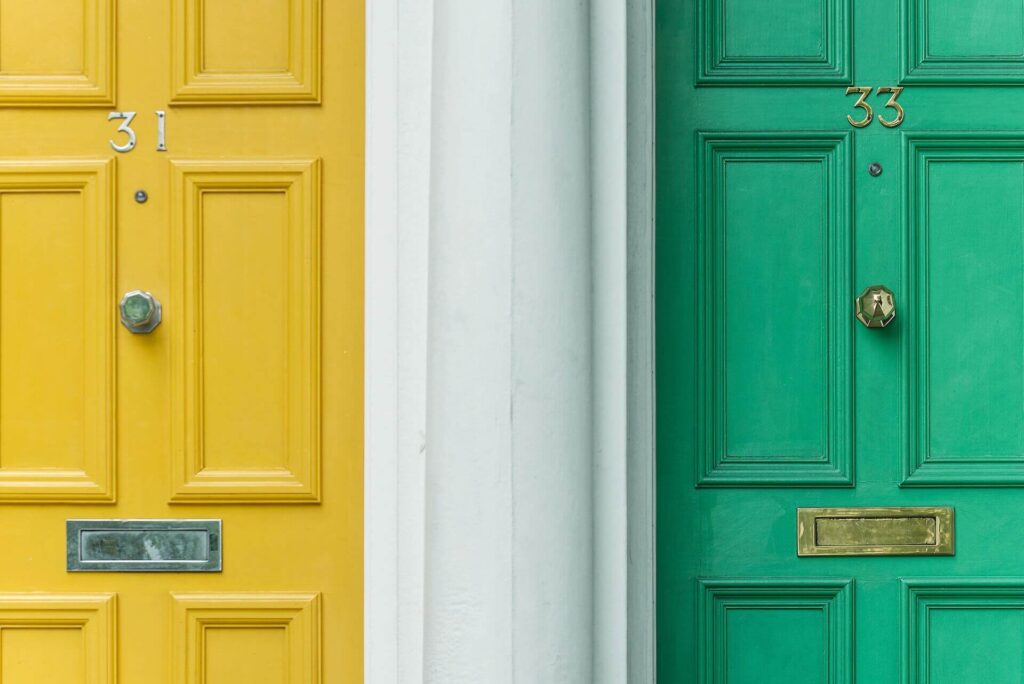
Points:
(140, 311)
(876, 306)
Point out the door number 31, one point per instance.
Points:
(126, 119)
(869, 113)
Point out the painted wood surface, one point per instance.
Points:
(245, 404)
(771, 397)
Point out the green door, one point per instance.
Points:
(774, 213)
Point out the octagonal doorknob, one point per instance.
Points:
(876, 306)
(140, 312)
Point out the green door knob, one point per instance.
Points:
(140, 312)
(876, 306)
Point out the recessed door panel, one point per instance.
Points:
(247, 357)
(60, 57)
(58, 639)
(774, 359)
(750, 42)
(229, 51)
(965, 370)
(56, 355)
(963, 41)
(225, 638)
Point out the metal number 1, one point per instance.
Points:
(126, 128)
(161, 131)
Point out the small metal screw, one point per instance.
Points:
(141, 197)
(875, 169)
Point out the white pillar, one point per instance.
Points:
(509, 506)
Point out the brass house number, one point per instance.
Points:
(869, 113)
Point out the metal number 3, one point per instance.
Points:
(862, 103)
(126, 128)
(892, 103)
(869, 113)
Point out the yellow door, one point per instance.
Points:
(244, 405)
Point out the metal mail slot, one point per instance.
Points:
(874, 531)
(144, 545)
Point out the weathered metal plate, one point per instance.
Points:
(875, 531)
(144, 545)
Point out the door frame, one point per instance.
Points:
(399, 36)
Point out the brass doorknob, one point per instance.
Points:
(140, 312)
(876, 306)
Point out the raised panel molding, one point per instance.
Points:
(87, 80)
(234, 79)
(31, 625)
(833, 463)
(921, 467)
(776, 59)
(27, 472)
(978, 637)
(291, 470)
(826, 606)
(989, 55)
(216, 636)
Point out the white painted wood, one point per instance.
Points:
(640, 326)
(414, 136)
(509, 510)
(399, 37)
(381, 544)
(509, 146)
(609, 210)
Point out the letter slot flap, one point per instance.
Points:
(915, 531)
(144, 545)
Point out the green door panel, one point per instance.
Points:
(774, 259)
(771, 397)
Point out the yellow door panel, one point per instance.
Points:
(252, 638)
(61, 54)
(273, 56)
(246, 354)
(58, 639)
(245, 404)
(56, 357)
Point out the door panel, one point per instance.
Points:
(56, 357)
(963, 41)
(61, 57)
(247, 426)
(772, 398)
(271, 57)
(776, 632)
(787, 41)
(965, 369)
(775, 255)
(58, 639)
(227, 638)
(245, 404)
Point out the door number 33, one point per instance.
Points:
(869, 113)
